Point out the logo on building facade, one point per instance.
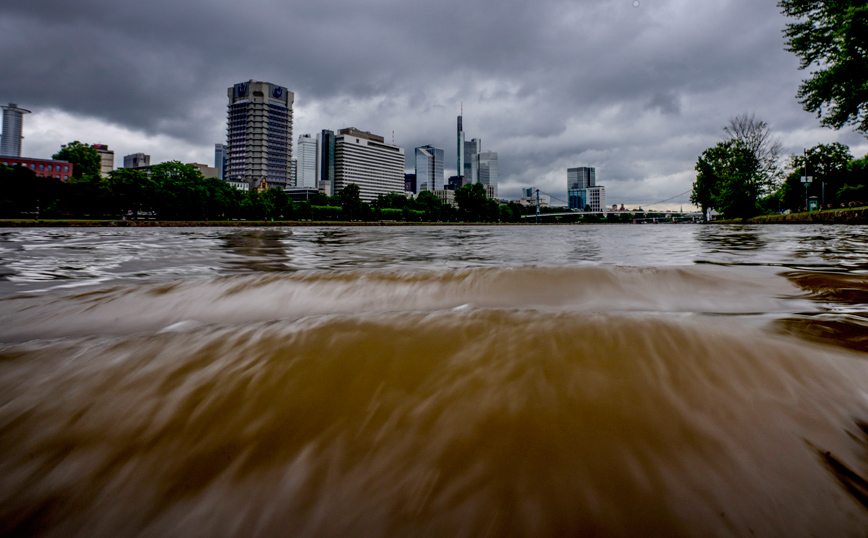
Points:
(277, 92)
(241, 89)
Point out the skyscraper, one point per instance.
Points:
(368, 161)
(460, 168)
(471, 162)
(308, 154)
(582, 190)
(259, 133)
(487, 169)
(10, 143)
(580, 178)
(219, 159)
(429, 168)
(325, 160)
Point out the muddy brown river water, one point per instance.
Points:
(669, 380)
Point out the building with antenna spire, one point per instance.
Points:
(460, 168)
(10, 141)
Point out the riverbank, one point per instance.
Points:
(59, 223)
(856, 215)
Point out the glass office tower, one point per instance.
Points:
(429, 168)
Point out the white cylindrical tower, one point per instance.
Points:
(10, 143)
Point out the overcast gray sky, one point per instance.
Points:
(635, 91)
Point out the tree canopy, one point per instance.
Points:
(755, 135)
(729, 179)
(831, 37)
(85, 159)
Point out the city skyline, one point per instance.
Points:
(639, 97)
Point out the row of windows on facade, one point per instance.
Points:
(42, 167)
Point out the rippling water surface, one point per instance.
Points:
(442, 381)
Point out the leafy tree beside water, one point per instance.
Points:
(832, 38)
(474, 205)
(828, 164)
(729, 179)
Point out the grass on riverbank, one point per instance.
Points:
(850, 215)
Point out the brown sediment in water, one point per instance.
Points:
(466, 422)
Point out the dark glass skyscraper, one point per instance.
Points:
(326, 161)
(461, 156)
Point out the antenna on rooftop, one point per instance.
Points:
(393, 137)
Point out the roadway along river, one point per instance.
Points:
(671, 380)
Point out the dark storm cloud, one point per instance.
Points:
(637, 92)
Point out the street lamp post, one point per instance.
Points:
(806, 179)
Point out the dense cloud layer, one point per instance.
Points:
(637, 92)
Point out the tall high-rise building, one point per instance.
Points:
(325, 159)
(580, 178)
(368, 161)
(293, 172)
(219, 159)
(429, 168)
(582, 190)
(460, 168)
(471, 162)
(10, 140)
(137, 160)
(106, 159)
(259, 133)
(308, 153)
(487, 169)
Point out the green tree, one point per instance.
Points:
(832, 38)
(828, 164)
(755, 134)
(130, 189)
(472, 202)
(280, 206)
(351, 203)
(180, 191)
(728, 179)
(84, 158)
(430, 205)
(16, 191)
(855, 188)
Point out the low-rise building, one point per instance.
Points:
(238, 184)
(205, 170)
(106, 159)
(301, 194)
(137, 160)
(529, 198)
(62, 170)
(446, 196)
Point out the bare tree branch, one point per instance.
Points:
(755, 134)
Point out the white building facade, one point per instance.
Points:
(308, 148)
(368, 161)
(13, 122)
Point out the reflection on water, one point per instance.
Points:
(258, 249)
(722, 240)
